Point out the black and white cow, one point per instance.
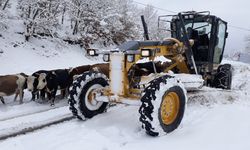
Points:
(32, 82)
(53, 81)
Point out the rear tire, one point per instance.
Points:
(163, 105)
(223, 77)
(82, 104)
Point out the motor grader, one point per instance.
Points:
(157, 74)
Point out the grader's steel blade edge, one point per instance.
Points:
(191, 82)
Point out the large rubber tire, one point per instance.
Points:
(163, 105)
(80, 106)
(223, 77)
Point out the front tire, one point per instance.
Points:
(223, 77)
(81, 99)
(163, 105)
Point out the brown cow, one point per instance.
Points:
(12, 84)
(103, 68)
(79, 70)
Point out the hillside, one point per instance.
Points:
(18, 55)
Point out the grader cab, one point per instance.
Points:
(157, 74)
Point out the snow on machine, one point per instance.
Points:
(157, 74)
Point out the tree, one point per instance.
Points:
(150, 15)
(107, 22)
(3, 14)
(124, 26)
(151, 18)
(86, 21)
(4, 4)
(40, 16)
(247, 49)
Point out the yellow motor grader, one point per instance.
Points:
(157, 74)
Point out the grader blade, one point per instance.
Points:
(191, 82)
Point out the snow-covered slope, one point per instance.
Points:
(214, 119)
(16, 55)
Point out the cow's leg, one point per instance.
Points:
(2, 100)
(42, 94)
(33, 93)
(21, 96)
(66, 92)
(37, 95)
(48, 95)
(17, 93)
(33, 96)
(53, 96)
(62, 93)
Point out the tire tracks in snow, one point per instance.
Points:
(22, 124)
(32, 129)
(29, 113)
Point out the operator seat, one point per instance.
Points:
(201, 43)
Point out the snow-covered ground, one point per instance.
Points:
(214, 119)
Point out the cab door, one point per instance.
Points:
(221, 36)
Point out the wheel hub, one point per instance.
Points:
(92, 97)
(170, 108)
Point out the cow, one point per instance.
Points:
(54, 80)
(12, 84)
(103, 68)
(79, 70)
(2, 100)
(32, 82)
(144, 69)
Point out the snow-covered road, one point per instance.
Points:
(224, 126)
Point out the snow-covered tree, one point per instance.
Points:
(150, 15)
(3, 14)
(108, 22)
(4, 4)
(87, 22)
(151, 19)
(124, 26)
(247, 49)
(40, 16)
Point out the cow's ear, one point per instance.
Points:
(70, 70)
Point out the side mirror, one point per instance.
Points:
(226, 35)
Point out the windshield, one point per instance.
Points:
(201, 27)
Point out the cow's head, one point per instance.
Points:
(42, 81)
(30, 83)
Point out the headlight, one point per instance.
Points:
(145, 52)
(130, 58)
(106, 57)
(91, 52)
